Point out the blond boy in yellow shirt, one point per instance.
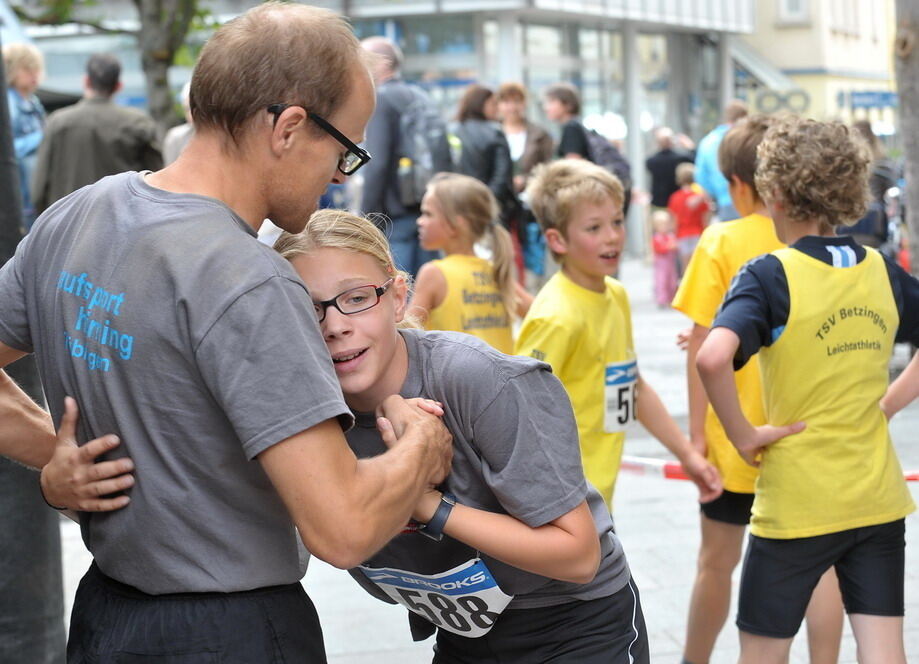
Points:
(580, 323)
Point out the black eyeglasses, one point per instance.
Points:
(353, 300)
(350, 161)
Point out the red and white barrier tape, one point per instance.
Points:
(672, 470)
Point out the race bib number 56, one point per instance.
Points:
(465, 600)
(620, 394)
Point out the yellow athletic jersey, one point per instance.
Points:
(473, 302)
(828, 368)
(587, 339)
(722, 250)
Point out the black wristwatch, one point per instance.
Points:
(434, 528)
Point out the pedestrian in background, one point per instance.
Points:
(24, 66)
(530, 145)
(662, 167)
(872, 229)
(463, 292)
(484, 151)
(94, 138)
(708, 175)
(177, 137)
(691, 209)
(383, 192)
(664, 246)
(562, 105)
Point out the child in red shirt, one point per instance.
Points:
(691, 209)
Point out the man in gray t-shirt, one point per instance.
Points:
(148, 298)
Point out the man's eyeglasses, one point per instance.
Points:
(353, 300)
(350, 161)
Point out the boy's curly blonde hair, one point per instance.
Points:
(819, 171)
(556, 188)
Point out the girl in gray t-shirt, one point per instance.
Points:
(513, 558)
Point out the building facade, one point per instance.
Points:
(838, 54)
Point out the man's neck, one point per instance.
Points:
(206, 169)
(89, 93)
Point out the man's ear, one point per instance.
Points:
(285, 126)
(556, 241)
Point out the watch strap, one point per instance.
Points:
(434, 528)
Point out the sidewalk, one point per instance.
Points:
(657, 521)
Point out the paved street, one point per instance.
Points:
(656, 519)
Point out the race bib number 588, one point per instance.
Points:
(620, 394)
(465, 600)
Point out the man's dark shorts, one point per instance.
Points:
(113, 623)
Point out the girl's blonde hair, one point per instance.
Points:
(338, 229)
(464, 196)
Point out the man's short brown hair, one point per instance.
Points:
(557, 188)
(274, 53)
(737, 152)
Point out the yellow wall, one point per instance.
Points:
(831, 51)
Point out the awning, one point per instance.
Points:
(759, 67)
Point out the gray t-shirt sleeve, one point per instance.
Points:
(267, 366)
(528, 431)
(14, 319)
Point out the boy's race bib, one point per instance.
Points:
(465, 600)
(619, 392)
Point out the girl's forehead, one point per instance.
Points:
(333, 267)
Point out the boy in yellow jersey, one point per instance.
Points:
(823, 314)
(722, 250)
(580, 323)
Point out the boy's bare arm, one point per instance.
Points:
(698, 401)
(716, 369)
(903, 390)
(654, 416)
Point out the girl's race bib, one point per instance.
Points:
(465, 600)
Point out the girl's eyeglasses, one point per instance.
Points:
(353, 300)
